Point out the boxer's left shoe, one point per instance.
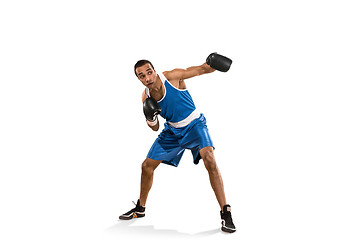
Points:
(137, 212)
(227, 222)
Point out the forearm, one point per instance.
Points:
(153, 125)
(199, 70)
(195, 71)
(206, 68)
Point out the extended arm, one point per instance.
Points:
(181, 74)
(213, 62)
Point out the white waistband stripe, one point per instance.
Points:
(195, 114)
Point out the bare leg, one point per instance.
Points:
(216, 181)
(148, 167)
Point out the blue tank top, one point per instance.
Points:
(177, 104)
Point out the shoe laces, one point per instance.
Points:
(137, 207)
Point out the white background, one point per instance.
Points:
(284, 119)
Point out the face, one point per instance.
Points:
(147, 75)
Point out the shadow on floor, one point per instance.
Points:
(148, 230)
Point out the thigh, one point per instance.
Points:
(167, 149)
(197, 138)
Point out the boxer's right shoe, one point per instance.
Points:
(226, 220)
(137, 212)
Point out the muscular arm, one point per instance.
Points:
(156, 127)
(181, 74)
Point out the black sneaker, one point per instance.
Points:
(137, 212)
(227, 223)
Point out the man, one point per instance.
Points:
(185, 128)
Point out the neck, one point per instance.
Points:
(157, 85)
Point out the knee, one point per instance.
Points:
(209, 160)
(147, 168)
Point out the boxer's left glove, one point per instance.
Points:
(151, 110)
(219, 62)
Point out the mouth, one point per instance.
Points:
(149, 84)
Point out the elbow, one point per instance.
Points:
(155, 128)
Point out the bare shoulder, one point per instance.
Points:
(174, 79)
(174, 75)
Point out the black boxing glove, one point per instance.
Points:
(219, 62)
(151, 109)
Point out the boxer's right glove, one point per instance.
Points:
(219, 62)
(151, 109)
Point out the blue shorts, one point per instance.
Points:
(172, 142)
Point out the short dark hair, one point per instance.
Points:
(142, 63)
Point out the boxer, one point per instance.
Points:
(166, 95)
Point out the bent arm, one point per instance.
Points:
(181, 74)
(150, 124)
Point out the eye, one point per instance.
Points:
(149, 72)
